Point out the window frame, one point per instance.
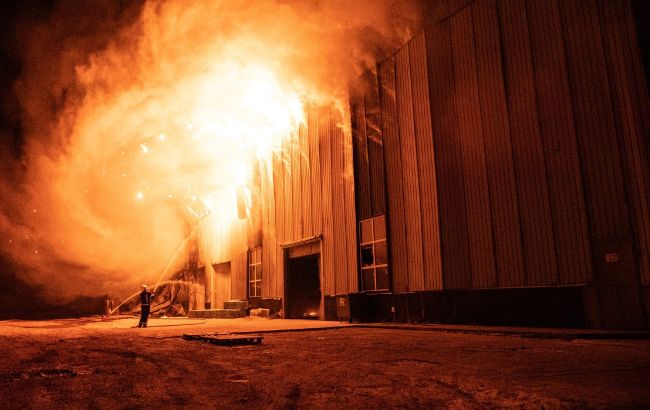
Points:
(255, 266)
(372, 244)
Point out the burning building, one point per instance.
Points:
(479, 161)
(493, 170)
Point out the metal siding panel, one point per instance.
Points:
(273, 268)
(272, 246)
(294, 175)
(374, 143)
(316, 182)
(594, 120)
(527, 147)
(287, 209)
(396, 219)
(642, 109)
(254, 231)
(239, 268)
(338, 206)
(278, 191)
(606, 204)
(215, 239)
(426, 165)
(498, 149)
(558, 134)
(361, 161)
(350, 221)
(378, 185)
(328, 255)
(451, 197)
(409, 171)
(630, 102)
(305, 184)
(377, 181)
(269, 240)
(473, 152)
(266, 229)
(242, 256)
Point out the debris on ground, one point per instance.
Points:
(265, 313)
(221, 339)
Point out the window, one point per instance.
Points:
(374, 254)
(255, 272)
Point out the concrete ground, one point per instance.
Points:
(89, 363)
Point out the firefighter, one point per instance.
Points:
(146, 298)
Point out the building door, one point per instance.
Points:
(302, 289)
(201, 286)
(222, 282)
(615, 288)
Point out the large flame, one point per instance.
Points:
(196, 136)
(175, 109)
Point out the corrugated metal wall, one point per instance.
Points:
(368, 147)
(512, 135)
(627, 85)
(362, 159)
(534, 201)
(410, 170)
(220, 239)
(525, 120)
(269, 254)
(474, 166)
(394, 187)
(508, 249)
(308, 191)
(454, 235)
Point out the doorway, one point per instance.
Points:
(615, 287)
(303, 291)
(222, 281)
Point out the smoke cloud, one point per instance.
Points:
(131, 113)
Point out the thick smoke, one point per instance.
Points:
(129, 112)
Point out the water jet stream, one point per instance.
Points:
(174, 256)
(164, 272)
(171, 281)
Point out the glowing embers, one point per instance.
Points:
(199, 208)
(246, 107)
(206, 139)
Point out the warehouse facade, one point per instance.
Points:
(496, 171)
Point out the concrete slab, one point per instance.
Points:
(160, 327)
(216, 313)
(536, 332)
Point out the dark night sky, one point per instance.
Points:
(17, 299)
(10, 13)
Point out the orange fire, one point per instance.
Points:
(169, 117)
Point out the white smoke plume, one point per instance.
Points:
(128, 112)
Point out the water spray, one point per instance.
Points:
(174, 256)
(171, 281)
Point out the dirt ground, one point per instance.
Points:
(86, 363)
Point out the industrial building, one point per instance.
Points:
(495, 170)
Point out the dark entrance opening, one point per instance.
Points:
(303, 293)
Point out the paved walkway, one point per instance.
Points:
(178, 326)
(537, 332)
